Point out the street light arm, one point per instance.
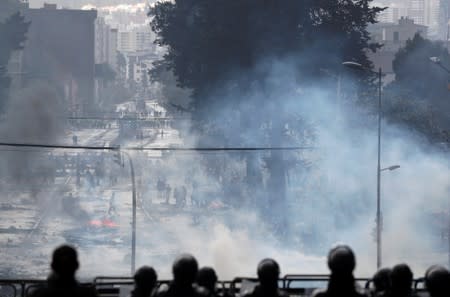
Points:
(437, 61)
(357, 66)
(390, 168)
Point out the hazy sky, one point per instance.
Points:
(79, 3)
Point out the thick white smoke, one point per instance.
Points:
(336, 202)
(331, 197)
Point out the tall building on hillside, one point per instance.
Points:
(393, 13)
(416, 11)
(61, 49)
(392, 36)
(136, 40)
(444, 20)
(105, 44)
(425, 12)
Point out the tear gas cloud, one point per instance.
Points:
(331, 195)
(33, 115)
(331, 187)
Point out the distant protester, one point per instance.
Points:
(437, 281)
(268, 274)
(144, 282)
(62, 281)
(401, 281)
(341, 262)
(382, 282)
(184, 272)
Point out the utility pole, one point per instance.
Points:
(379, 173)
(118, 160)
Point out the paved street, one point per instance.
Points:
(95, 218)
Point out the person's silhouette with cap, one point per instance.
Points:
(184, 272)
(341, 262)
(437, 281)
(207, 278)
(144, 282)
(268, 274)
(382, 282)
(62, 281)
(401, 281)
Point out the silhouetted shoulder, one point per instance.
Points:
(201, 292)
(173, 291)
(78, 291)
(324, 293)
(162, 291)
(319, 293)
(260, 292)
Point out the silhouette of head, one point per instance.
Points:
(65, 261)
(185, 270)
(437, 281)
(401, 278)
(145, 278)
(207, 278)
(268, 273)
(382, 279)
(341, 260)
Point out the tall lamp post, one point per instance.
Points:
(133, 222)
(360, 67)
(438, 62)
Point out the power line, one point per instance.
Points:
(186, 149)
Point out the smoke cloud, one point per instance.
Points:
(331, 195)
(34, 115)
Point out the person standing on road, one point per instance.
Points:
(168, 191)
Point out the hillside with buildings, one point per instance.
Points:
(431, 13)
(80, 3)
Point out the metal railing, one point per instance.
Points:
(110, 286)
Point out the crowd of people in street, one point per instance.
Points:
(191, 281)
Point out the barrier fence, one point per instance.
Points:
(295, 285)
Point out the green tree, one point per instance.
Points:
(7, 8)
(419, 95)
(216, 49)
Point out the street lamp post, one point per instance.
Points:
(133, 222)
(379, 175)
(358, 66)
(438, 62)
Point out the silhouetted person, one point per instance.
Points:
(144, 282)
(401, 281)
(382, 282)
(341, 262)
(168, 190)
(268, 273)
(437, 281)
(207, 278)
(62, 281)
(184, 272)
